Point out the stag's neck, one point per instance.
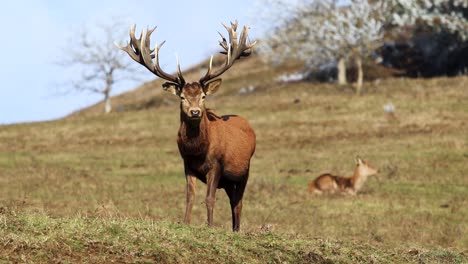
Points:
(193, 136)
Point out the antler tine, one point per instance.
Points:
(235, 49)
(148, 44)
(179, 72)
(146, 51)
(232, 34)
(179, 80)
(139, 50)
(131, 50)
(243, 37)
(223, 43)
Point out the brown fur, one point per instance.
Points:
(215, 150)
(351, 185)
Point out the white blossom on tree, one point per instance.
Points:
(317, 32)
(450, 15)
(322, 31)
(353, 31)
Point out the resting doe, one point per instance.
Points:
(351, 185)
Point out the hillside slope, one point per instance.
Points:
(97, 188)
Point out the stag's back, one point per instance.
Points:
(234, 139)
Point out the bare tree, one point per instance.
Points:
(96, 64)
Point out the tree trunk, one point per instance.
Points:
(107, 102)
(360, 75)
(342, 72)
(109, 82)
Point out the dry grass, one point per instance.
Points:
(126, 165)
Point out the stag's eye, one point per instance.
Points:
(182, 98)
(203, 97)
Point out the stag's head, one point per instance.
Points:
(192, 95)
(192, 98)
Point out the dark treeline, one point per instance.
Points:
(427, 54)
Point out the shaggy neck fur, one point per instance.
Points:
(193, 135)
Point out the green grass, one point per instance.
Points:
(36, 237)
(101, 188)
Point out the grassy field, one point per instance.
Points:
(101, 188)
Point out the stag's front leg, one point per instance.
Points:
(191, 185)
(212, 181)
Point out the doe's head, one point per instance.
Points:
(364, 168)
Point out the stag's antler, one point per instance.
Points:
(139, 50)
(234, 50)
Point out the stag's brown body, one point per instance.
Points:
(215, 149)
(226, 142)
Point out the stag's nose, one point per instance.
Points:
(195, 113)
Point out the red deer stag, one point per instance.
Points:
(215, 149)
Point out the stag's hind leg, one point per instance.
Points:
(235, 193)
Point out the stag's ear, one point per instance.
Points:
(213, 86)
(171, 87)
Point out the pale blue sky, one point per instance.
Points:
(34, 33)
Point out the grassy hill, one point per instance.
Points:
(102, 188)
(38, 238)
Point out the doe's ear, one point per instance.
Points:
(213, 86)
(172, 88)
(358, 160)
